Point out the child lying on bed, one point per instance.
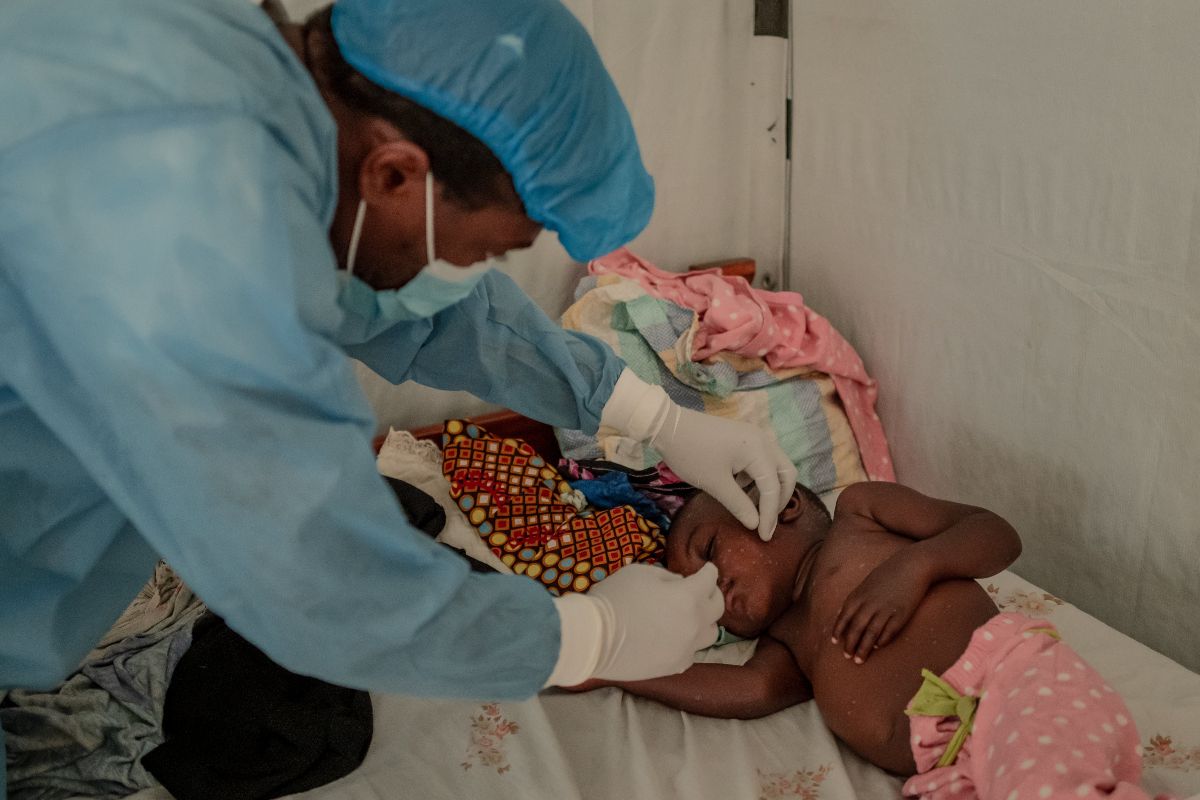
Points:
(854, 611)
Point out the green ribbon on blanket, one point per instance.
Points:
(1051, 632)
(936, 698)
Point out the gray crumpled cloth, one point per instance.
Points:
(86, 738)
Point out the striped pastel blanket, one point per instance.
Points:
(656, 339)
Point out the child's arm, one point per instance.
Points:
(770, 681)
(950, 540)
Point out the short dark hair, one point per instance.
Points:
(469, 170)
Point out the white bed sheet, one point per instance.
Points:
(607, 744)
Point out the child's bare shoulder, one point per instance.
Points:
(859, 499)
(853, 512)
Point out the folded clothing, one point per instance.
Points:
(776, 329)
(533, 520)
(655, 338)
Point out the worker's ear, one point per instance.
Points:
(794, 509)
(393, 171)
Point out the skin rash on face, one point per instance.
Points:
(757, 578)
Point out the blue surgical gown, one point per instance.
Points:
(169, 381)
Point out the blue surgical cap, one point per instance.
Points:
(523, 77)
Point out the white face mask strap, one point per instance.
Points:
(429, 217)
(355, 234)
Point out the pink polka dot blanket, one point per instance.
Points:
(533, 520)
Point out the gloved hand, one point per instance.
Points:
(641, 622)
(706, 451)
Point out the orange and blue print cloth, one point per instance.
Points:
(530, 516)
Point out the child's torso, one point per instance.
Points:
(864, 704)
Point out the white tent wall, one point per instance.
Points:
(999, 204)
(707, 101)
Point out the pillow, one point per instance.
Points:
(800, 406)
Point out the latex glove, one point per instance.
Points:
(640, 622)
(706, 451)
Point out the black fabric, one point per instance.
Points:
(240, 727)
(422, 510)
(426, 515)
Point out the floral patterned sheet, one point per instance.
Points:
(607, 744)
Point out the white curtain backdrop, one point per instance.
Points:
(999, 204)
(707, 101)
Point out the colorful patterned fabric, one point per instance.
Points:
(656, 338)
(532, 519)
(659, 483)
(613, 489)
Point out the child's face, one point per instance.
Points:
(756, 577)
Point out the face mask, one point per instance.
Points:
(439, 285)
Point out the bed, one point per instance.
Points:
(609, 744)
(606, 744)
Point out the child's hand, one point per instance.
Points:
(879, 607)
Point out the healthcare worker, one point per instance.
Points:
(203, 210)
